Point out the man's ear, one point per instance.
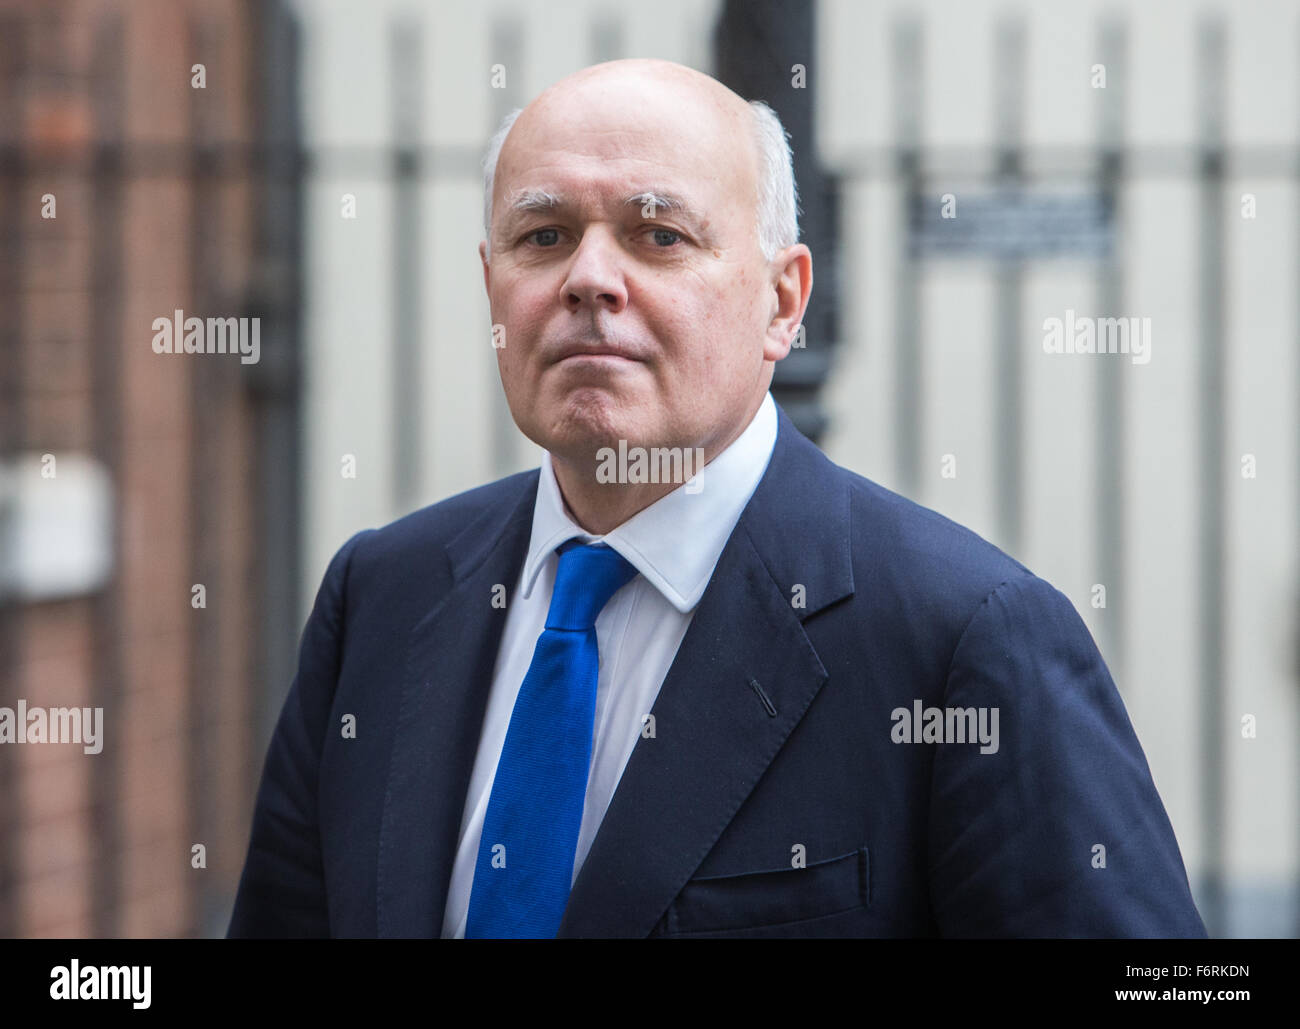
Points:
(487, 271)
(793, 287)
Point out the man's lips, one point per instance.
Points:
(595, 354)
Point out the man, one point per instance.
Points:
(768, 698)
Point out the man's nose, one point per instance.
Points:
(596, 273)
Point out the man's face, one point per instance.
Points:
(631, 320)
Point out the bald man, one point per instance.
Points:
(687, 678)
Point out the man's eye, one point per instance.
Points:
(544, 232)
(660, 234)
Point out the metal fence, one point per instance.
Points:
(1105, 171)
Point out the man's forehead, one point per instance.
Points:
(596, 149)
(654, 128)
(553, 178)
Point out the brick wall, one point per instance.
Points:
(100, 844)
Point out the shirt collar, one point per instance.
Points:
(676, 541)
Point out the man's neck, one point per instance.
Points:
(602, 507)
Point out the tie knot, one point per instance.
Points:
(588, 575)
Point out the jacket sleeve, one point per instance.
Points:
(282, 889)
(1059, 832)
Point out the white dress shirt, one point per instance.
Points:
(674, 544)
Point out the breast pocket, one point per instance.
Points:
(720, 902)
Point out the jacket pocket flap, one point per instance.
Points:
(769, 898)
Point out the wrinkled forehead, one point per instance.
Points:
(599, 139)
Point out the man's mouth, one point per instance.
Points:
(595, 355)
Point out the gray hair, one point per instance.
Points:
(778, 197)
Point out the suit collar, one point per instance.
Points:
(799, 523)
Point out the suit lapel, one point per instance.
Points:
(452, 656)
(714, 735)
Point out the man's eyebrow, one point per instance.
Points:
(523, 201)
(528, 201)
(670, 202)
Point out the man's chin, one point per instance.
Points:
(578, 432)
(592, 417)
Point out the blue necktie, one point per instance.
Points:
(530, 831)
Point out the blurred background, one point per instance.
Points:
(165, 520)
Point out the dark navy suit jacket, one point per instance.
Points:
(773, 737)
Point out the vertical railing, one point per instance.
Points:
(209, 383)
(907, 55)
(14, 195)
(106, 313)
(1295, 608)
(507, 48)
(1211, 508)
(407, 428)
(757, 47)
(606, 39)
(1009, 273)
(276, 379)
(1110, 498)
